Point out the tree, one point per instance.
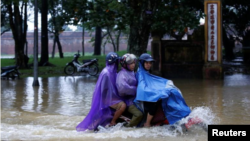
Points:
(158, 17)
(56, 24)
(236, 22)
(143, 18)
(44, 60)
(56, 30)
(17, 12)
(5, 26)
(88, 14)
(76, 11)
(101, 17)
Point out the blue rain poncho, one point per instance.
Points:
(153, 88)
(105, 95)
(126, 84)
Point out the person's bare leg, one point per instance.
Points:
(148, 121)
(120, 109)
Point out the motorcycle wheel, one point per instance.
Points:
(93, 70)
(69, 70)
(11, 75)
(17, 74)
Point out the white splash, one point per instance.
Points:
(61, 127)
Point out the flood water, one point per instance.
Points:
(52, 110)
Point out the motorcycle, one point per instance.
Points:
(10, 72)
(87, 66)
(159, 119)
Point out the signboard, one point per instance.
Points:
(212, 31)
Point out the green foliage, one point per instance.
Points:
(7, 62)
(235, 14)
(236, 17)
(175, 16)
(5, 26)
(166, 16)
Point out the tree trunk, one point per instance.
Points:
(98, 41)
(44, 45)
(118, 40)
(59, 46)
(83, 32)
(2, 32)
(111, 38)
(138, 39)
(104, 47)
(54, 23)
(133, 41)
(54, 47)
(19, 29)
(140, 30)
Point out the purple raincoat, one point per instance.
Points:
(105, 95)
(126, 84)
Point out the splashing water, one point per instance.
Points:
(205, 114)
(41, 126)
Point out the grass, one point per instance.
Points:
(58, 65)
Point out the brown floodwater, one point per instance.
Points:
(52, 110)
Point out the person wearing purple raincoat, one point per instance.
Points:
(107, 105)
(126, 84)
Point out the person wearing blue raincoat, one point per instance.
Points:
(107, 106)
(152, 89)
(126, 84)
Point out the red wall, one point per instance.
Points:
(70, 41)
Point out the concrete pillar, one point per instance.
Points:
(213, 40)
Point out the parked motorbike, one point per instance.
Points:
(10, 72)
(87, 66)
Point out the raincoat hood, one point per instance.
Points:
(105, 95)
(152, 88)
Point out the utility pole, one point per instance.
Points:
(35, 63)
(83, 51)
